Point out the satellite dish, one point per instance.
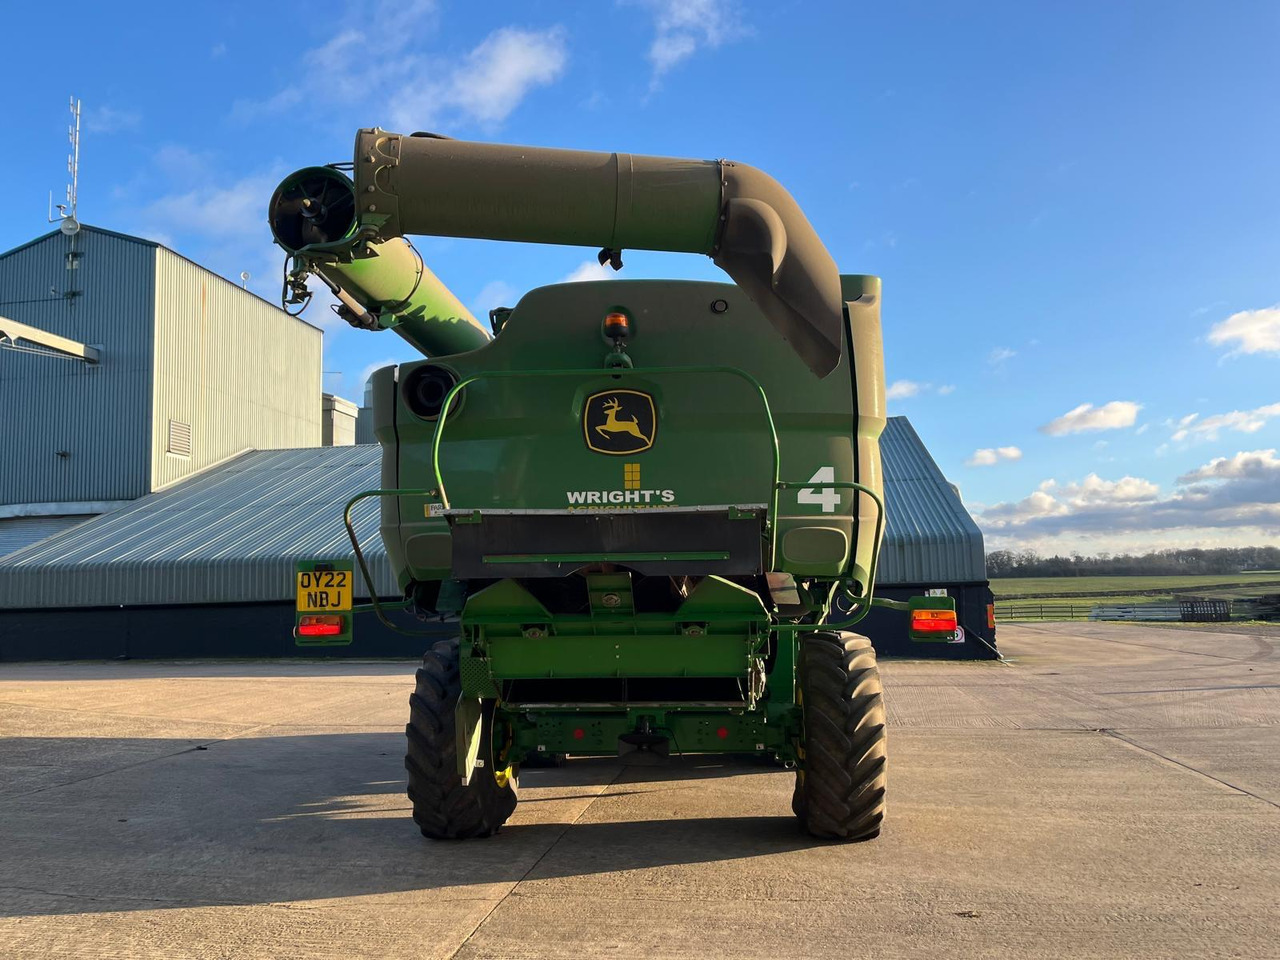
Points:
(244, 278)
(70, 226)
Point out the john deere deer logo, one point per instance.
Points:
(619, 422)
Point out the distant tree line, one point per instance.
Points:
(1028, 563)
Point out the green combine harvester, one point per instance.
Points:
(639, 499)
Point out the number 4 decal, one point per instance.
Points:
(829, 497)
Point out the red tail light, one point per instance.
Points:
(933, 621)
(325, 625)
(991, 616)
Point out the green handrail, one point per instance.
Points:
(864, 602)
(374, 603)
(447, 406)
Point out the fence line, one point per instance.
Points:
(1185, 610)
(1043, 611)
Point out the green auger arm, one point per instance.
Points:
(743, 219)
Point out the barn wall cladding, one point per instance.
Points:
(83, 434)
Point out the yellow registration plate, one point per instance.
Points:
(321, 590)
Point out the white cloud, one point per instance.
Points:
(669, 49)
(1094, 490)
(1254, 464)
(218, 50)
(1241, 421)
(988, 456)
(682, 26)
(1110, 416)
(589, 270)
(412, 89)
(1230, 499)
(1000, 354)
(106, 119)
(496, 293)
(1249, 331)
(232, 210)
(1037, 504)
(489, 83)
(901, 389)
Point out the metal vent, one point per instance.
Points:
(179, 438)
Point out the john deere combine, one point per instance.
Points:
(639, 498)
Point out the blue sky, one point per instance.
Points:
(1075, 207)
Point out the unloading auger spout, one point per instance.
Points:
(351, 231)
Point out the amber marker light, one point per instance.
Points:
(617, 325)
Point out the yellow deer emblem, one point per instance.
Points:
(613, 425)
(619, 422)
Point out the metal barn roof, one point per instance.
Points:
(19, 532)
(930, 539)
(228, 536)
(232, 535)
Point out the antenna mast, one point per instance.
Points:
(67, 218)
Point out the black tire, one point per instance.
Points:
(443, 808)
(840, 784)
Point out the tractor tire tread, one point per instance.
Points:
(840, 790)
(443, 807)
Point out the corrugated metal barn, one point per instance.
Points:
(192, 370)
(929, 536)
(215, 556)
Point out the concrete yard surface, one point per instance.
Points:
(1113, 792)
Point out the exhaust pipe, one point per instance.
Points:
(742, 218)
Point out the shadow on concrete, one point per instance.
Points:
(97, 671)
(102, 825)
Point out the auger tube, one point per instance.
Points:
(742, 218)
(424, 185)
(382, 283)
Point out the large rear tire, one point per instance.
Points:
(840, 782)
(443, 807)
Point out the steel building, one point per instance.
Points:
(207, 567)
(364, 420)
(340, 421)
(173, 370)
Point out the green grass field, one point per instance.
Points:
(1134, 589)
